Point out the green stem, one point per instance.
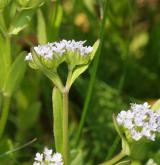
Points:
(93, 76)
(115, 159)
(4, 115)
(65, 127)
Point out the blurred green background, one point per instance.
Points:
(128, 71)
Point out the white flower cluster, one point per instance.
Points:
(48, 158)
(54, 49)
(140, 121)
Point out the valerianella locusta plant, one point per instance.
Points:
(140, 121)
(47, 58)
(48, 158)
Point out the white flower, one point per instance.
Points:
(151, 162)
(28, 57)
(36, 163)
(141, 121)
(57, 157)
(47, 151)
(55, 49)
(39, 157)
(48, 158)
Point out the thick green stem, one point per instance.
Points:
(115, 159)
(65, 127)
(4, 114)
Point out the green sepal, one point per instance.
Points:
(156, 105)
(50, 73)
(125, 145)
(57, 116)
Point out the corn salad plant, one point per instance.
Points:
(86, 87)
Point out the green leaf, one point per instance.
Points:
(3, 27)
(125, 162)
(57, 116)
(4, 3)
(95, 48)
(81, 68)
(125, 146)
(15, 75)
(78, 159)
(55, 19)
(77, 72)
(32, 111)
(50, 73)
(20, 21)
(41, 28)
(5, 59)
(156, 105)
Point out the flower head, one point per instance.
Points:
(48, 158)
(140, 121)
(52, 54)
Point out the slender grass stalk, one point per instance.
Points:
(93, 76)
(125, 66)
(115, 159)
(4, 115)
(65, 127)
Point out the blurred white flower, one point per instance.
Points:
(141, 121)
(48, 158)
(39, 157)
(151, 162)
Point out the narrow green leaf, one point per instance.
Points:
(20, 21)
(55, 19)
(41, 28)
(4, 3)
(95, 48)
(3, 27)
(15, 75)
(156, 105)
(125, 162)
(5, 59)
(78, 160)
(77, 72)
(81, 68)
(125, 145)
(57, 116)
